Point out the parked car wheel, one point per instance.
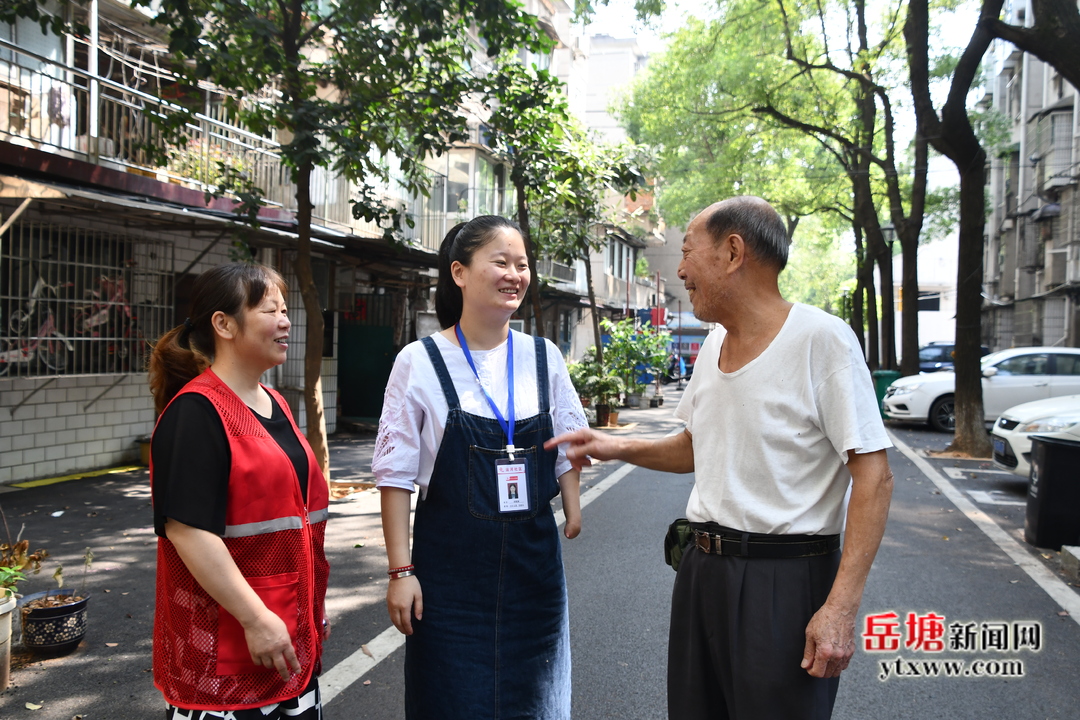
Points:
(943, 414)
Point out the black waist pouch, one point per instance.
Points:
(679, 534)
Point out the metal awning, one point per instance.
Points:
(126, 208)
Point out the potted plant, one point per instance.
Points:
(604, 388)
(632, 352)
(581, 375)
(54, 623)
(15, 560)
(8, 577)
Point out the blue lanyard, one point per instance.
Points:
(507, 423)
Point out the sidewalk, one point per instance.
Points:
(109, 676)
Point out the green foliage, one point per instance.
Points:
(993, 128)
(528, 123)
(942, 214)
(16, 559)
(48, 15)
(340, 84)
(587, 192)
(641, 267)
(696, 103)
(645, 9)
(633, 350)
(9, 576)
(593, 380)
(817, 267)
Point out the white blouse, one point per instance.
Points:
(414, 408)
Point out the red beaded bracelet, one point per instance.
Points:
(393, 571)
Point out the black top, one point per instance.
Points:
(192, 461)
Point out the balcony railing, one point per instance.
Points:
(552, 269)
(45, 104)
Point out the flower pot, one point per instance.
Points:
(633, 400)
(53, 630)
(7, 605)
(613, 419)
(603, 412)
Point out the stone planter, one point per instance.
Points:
(53, 630)
(633, 400)
(7, 606)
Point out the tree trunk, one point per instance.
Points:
(313, 402)
(858, 321)
(530, 252)
(888, 308)
(953, 136)
(908, 231)
(594, 310)
(909, 311)
(872, 347)
(970, 437)
(1052, 38)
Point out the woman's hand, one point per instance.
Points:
(269, 643)
(573, 526)
(405, 601)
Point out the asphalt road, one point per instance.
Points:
(934, 559)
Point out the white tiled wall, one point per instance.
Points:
(62, 430)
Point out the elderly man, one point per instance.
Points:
(781, 419)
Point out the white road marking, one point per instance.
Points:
(959, 473)
(1058, 591)
(352, 668)
(987, 498)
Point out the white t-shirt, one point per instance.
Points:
(771, 439)
(415, 409)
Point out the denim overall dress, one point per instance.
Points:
(494, 639)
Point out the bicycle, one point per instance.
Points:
(111, 320)
(47, 344)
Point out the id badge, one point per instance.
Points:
(513, 485)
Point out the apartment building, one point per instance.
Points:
(1032, 258)
(100, 241)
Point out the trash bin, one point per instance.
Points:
(882, 380)
(1053, 501)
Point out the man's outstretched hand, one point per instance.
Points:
(586, 445)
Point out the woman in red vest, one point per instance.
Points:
(240, 508)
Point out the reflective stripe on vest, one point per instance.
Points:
(318, 516)
(264, 527)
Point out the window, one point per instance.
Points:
(1023, 365)
(929, 301)
(1067, 365)
(936, 354)
(77, 301)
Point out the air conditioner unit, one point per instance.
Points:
(1007, 224)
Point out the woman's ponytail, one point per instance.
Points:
(173, 364)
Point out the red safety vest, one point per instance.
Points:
(201, 660)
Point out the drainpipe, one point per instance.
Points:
(95, 90)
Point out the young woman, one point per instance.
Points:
(482, 595)
(240, 508)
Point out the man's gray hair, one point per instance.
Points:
(759, 225)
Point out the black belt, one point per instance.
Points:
(758, 545)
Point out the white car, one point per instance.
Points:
(1055, 418)
(1010, 377)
